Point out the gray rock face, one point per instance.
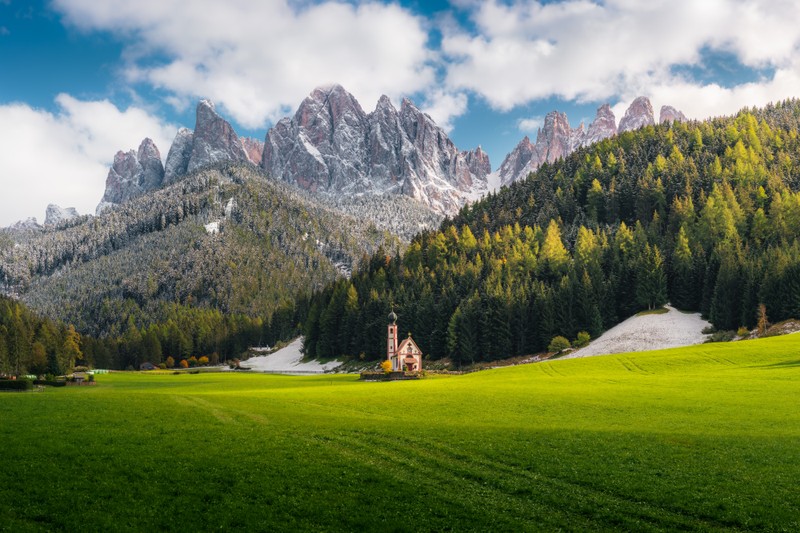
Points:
(56, 214)
(602, 127)
(29, 223)
(638, 115)
(214, 139)
(133, 174)
(669, 114)
(254, 149)
(517, 163)
(333, 147)
(555, 140)
(178, 156)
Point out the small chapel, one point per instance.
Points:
(406, 356)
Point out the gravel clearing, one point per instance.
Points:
(648, 332)
(287, 360)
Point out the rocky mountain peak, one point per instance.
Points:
(214, 139)
(670, 114)
(333, 147)
(132, 174)
(55, 214)
(638, 115)
(514, 166)
(602, 127)
(178, 157)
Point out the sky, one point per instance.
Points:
(82, 79)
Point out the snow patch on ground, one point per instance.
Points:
(212, 228)
(648, 332)
(287, 359)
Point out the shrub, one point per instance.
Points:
(170, 362)
(582, 340)
(558, 344)
(203, 361)
(184, 363)
(162, 366)
(193, 361)
(743, 332)
(722, 336)
(16, 384)
(52, 382)
(386, 366)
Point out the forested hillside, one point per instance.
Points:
(211, 264)
(705, 215)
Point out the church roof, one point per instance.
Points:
(405, 343)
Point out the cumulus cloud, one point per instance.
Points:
(530, 124)
(444, 106)
(258, 59)
(63, 157)
(584, 51)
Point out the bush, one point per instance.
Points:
(184, 363)
(386, 366)
(170, 362)
(16, 384)
(743, 332)
(202, 361)
(52, 382)
(558, 344)
(582, 340)
(722, 336)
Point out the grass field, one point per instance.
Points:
(701, 438)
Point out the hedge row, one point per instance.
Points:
(52, 383)
(15, 384)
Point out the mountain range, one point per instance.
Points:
(332, 148)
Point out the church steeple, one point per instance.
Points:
(391, 348)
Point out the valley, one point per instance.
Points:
(692, 438)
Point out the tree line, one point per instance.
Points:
(705, 215)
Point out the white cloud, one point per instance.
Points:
(530, 125)
(63, 157)
(258, 59)
(444, 107)
(584, 51)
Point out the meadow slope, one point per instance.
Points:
(701, 438)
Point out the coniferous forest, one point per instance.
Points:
(705, 215)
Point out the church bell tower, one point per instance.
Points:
(391, 349)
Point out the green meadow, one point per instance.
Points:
(701, 438)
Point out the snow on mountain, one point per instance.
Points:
(331, 146)
(56, 214)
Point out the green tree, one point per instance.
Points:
(651, 279)
(71, 350)
(558, 344)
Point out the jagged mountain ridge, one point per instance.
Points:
(331, 146)
(556, 139)
(213, 140)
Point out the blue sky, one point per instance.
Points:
(81, 79)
